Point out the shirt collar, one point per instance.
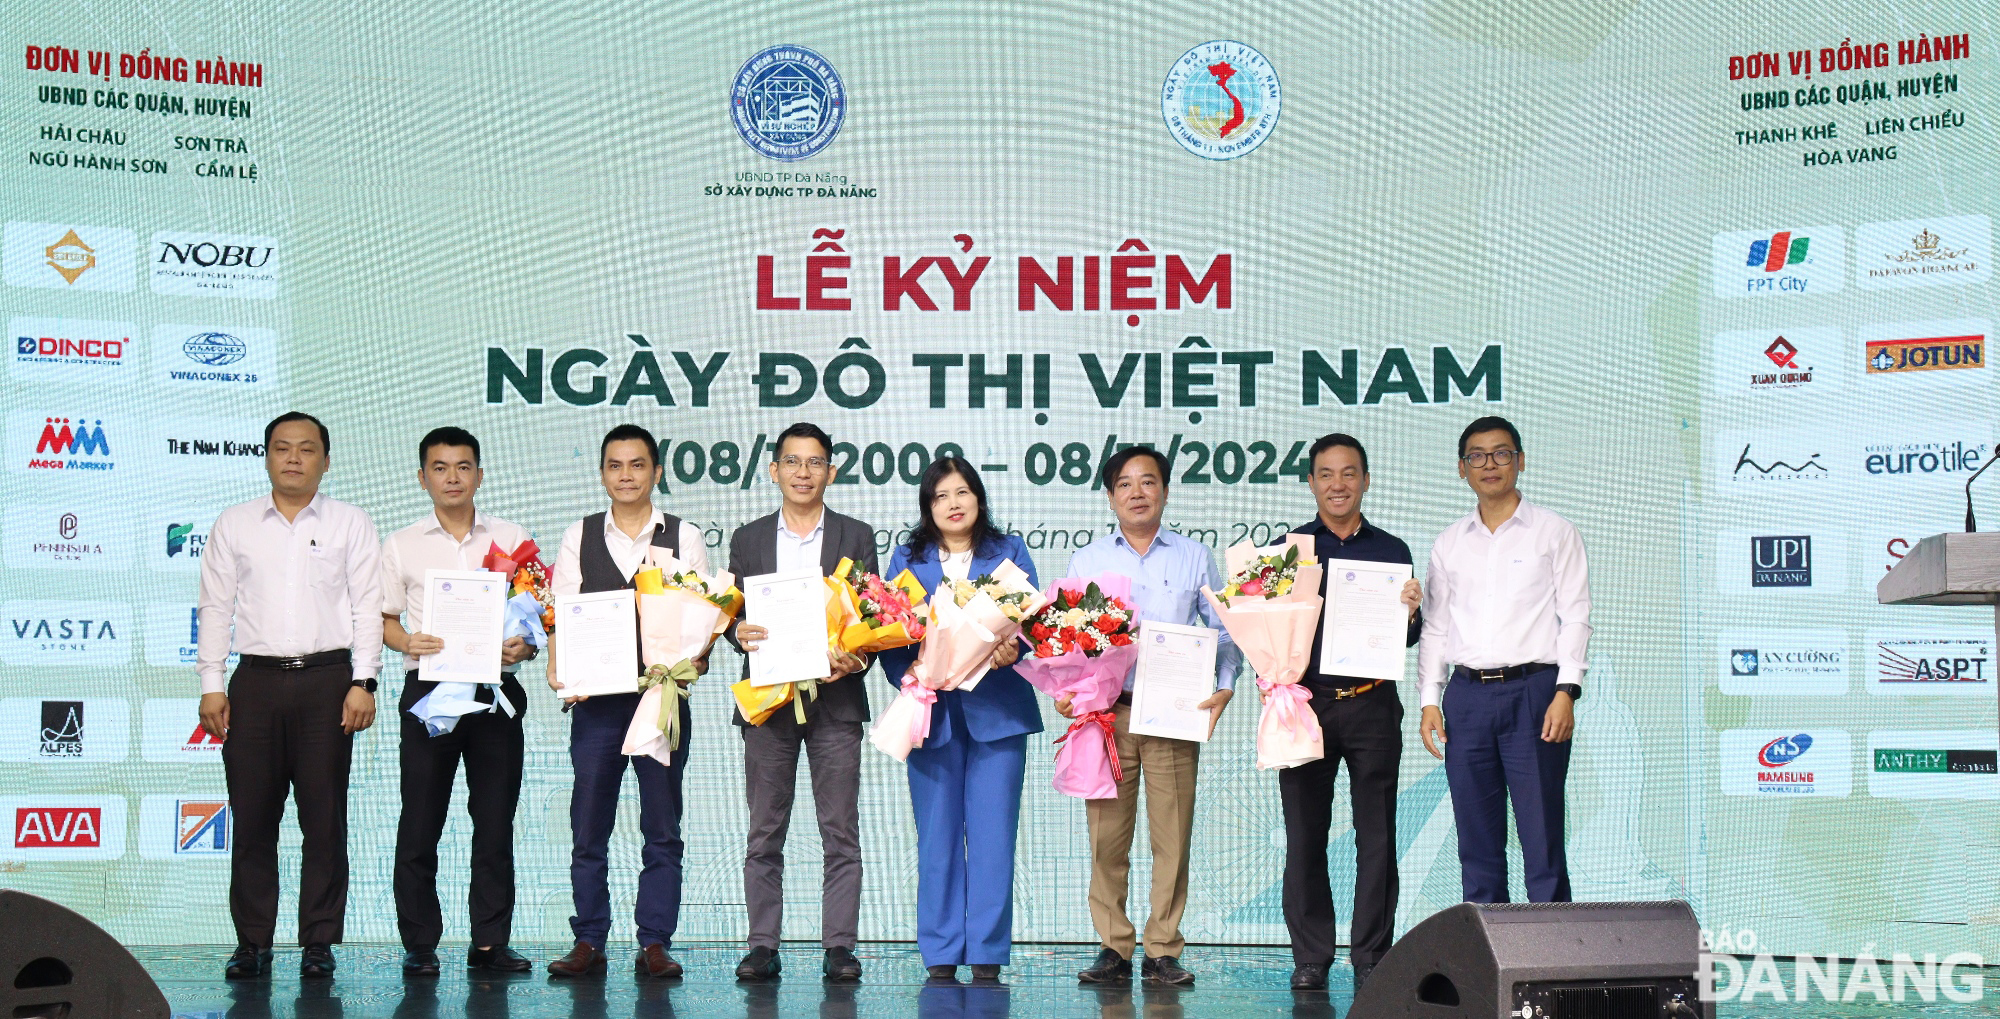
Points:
(818, 528)
(654, 522)
(270, 505)
(478, 524)
(1318, 526)
(1162, 538)
(1524, 513)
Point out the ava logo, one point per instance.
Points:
(1781, 560)
(1778, 251)
(58, 827)
(62, 729)
(1781, 752)
(1743, 662)
(70, 257)
(1221, 100)
(788, 103)
(213, 349)
(1935, 353)
(203, 828)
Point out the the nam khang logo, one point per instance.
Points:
(1221, 99)
(214, 446)
(214, 265)
(64, 257)
(788, 103)
(1811, 260)
(1924, 252)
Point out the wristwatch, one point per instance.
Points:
(1574, 690)
(364, 684)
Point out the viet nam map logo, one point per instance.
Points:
(787, 103)
(1221, 99)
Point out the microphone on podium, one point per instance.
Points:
(1970, 525)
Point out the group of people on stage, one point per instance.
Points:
(310, 596)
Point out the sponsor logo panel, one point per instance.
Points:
(65, 633)
(79, 440)
(1931, 664)
(214, 265)
(215, 358)
(1933, 764)
(59, 350)
(1786, 361)
(1930, 353)
(1780, 663)
(1787, 762)
(1766, 462)
(211, 447)
(1221, 99)
(1946, 452)
(1941, 252)
(1784, 557)
(64, 827)
(174, 539)
(185, 826)
(80, 534)
(63, 256)
(62, 730)
(171, 732)
(1765, 263)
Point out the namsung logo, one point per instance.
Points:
(787, 103)
(1947, 251)
(1221, 100)
(1809, 260)
(68, 257)
(1786, 763)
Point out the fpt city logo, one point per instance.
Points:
(1778, 250)
(1221, 99)
(1809, 260)
(788, 103)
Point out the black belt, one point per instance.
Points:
(1511, 672)
(312, 661)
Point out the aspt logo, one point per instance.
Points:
(1221, 99)
(1753, 263)
(74, 441)
(787, 103)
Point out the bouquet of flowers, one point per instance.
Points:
(681, 611)
(866, 614)
(1081, 645)
(1271, 607)
(531, 609)
(968, 619)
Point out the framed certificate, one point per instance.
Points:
(1176, 671)
(466, 609)
(1367, 624)
(792, 606)
(597, 643)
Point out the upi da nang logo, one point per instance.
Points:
(788, 103)
(1221, 99)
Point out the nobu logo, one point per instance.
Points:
(207, 254)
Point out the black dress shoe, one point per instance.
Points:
(420, 964)
(247, 963)
(1167, 970)
(983, 973)
(1108, 967)
(1361, 971)
(316, 963)
(841, 965)
(943, 974)
(761, 964)
(1309, 977)
(498, 959)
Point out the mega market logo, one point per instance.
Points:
(1781, 560)
(1221, 99)
(1927, 354)
(72, 444)
(787, 103)
(202, 828)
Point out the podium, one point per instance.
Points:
(1954, 568)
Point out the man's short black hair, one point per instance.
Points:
(1116, 465)
(325, 441)
(624, 433)
(802, 430)
(1489, 423)
(1330, 440)
(447, 436)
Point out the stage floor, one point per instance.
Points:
(1040, 985)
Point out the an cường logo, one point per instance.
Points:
(1784, 663)
(787, 103)
(1221, 99)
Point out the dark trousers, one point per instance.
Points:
(770, 780)
(285, 739)
(1494, 750)
(1365, 732)
(596, 752)
(491, 745)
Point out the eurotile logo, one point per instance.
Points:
(1934, 764)
(1781, 762)
(186, 826)
(1945, 452)
(64, 256)
(65, 730)
(1931, 665)
(213, 358)
(74, 535)
(214, 265)
(1946, 251)
(65, 633)
(171, 733)
(1783, 663)
(58, 350)
(1753, 263)
(1791, 362)
(65, 827)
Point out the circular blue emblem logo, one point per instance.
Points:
(213, 349)
(788, 103)
(1221, 99)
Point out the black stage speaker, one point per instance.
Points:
(1562, 960)
(54, 964)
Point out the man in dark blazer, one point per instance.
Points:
(801, 533)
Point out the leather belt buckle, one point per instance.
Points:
(1490, 675)
(1346, 693)
(288, 663)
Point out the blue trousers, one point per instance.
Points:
(967, 796)
(1494, 750)
(596, 752)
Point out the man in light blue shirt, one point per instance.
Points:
(1168, 571)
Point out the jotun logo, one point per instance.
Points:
(1930, 354)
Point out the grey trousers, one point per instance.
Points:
(770, 767)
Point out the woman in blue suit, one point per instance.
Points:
(965, 781)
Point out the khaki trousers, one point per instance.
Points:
(1169, 767)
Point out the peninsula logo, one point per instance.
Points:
(64, 633)
(1932, 666)
(787, 103)
(214, 265)
(1786, 763)
(65, 257)
(53, 537)
(203, 828)
(62, 729)
(1221, 100)
(1776, 361)
(63, 350)
(214, 357)
(1788, 663)
(1948, 251)
(1781, 560)
(1749, 263)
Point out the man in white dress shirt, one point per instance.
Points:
(1507, 620)
(453, 536)
(296, 576)
(601, 552)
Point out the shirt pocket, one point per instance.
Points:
(328, 568)
(1531, 576)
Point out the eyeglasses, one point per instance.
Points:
(1500, 457)
(812, 464)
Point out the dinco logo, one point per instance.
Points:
(215, 265)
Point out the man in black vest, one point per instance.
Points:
(601, 552)
(801, 534)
